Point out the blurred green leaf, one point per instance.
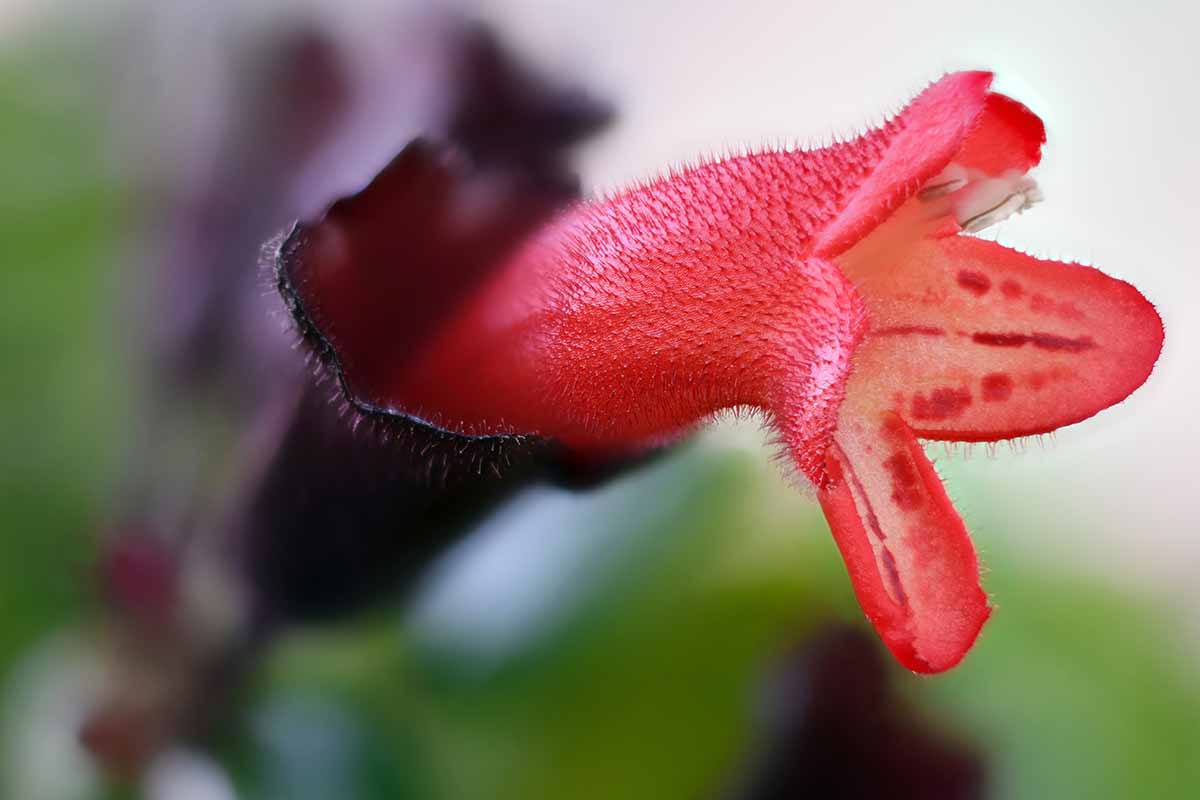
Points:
(60, 228)
(646, 689)
(1079, 689)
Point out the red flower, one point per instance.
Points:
(832, 289)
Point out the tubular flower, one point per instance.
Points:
(835, 290)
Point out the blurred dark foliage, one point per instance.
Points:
(212, 329)
(342, 518)
(307, 515)
(511, 116)
(835, 728)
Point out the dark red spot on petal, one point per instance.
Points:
(910, 330)
(1045, 341)
(1041, 304)
(1069, 310)
(906, 484)
(942, 403)
(892, 573)
(996, 386)
(1039, 379)
(974, 282)
(1000, 339)
(1011, 289)
(1050, 341)
(887, 561)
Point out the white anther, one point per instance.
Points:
(1013, 204)
(977, 199)
(951, 179)
(986, 201)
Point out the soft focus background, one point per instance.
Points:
(623, 642)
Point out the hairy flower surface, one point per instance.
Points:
(832, 289)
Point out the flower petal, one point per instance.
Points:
(508, 113)
(907, 551)
(420, 238)
(340, 520)
(921, 141)
(972, 341)
(955, 120)
(1008, 137)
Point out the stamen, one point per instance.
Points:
(978, 200)
(971, 197)
(951, 179)
(1013, 204)
(932, 191)
(983, 203)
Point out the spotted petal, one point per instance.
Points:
(909, 557)
(972, 341)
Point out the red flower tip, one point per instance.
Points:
(833, 289)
